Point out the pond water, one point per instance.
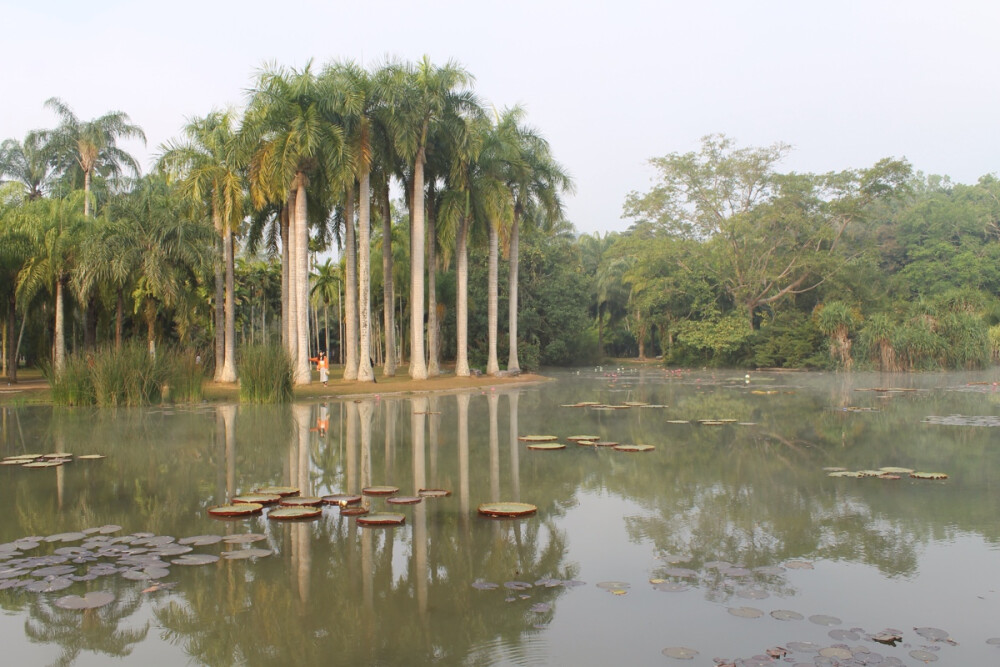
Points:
(726, 539)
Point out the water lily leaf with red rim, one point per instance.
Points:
(537, 438)
(353, 511)
(278, 490)
(382, 519)
(577, 438)
(404, 500)
(433, 493)
(240, 509)
(380, 490)
(635, 448)
(260, 498)
(544, 446)
(507, 509)
(301, 501)
(293, 513)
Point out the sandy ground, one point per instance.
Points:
(33, 389)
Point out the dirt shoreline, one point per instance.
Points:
(36, 391)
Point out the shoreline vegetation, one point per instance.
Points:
(34, 389)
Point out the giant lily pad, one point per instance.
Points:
(404, 500)
(278, 490)
(342, 499)
(507, 509)
(195, 559)
(380, 490)
(292, 513)
(200, 540)
(577, 438)
(382, 519)
(91, 457)
(823, 619)
(537, 438)
(243, 554)
(356, 510)
(244, 538)
(921, 475)
(635, 448)
(923, 656)
(301, 501)
(786, 615)
(836, 652)
(745, 612)
(542, 446)
(43, 464)
(433, 493)
(261, 498)
(679, 652)
(239, 509)
(91, 600)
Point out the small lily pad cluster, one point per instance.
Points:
(56, 562)
(548, 443)
(53, 460)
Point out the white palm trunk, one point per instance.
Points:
(512, 363)
(302, 373)
(350, 289)
(462, 299)
(59, 354)
(388, 298)
(229, 344)
(492, 365)
(365, 372)
(291, 308)
(418, 368)
(220, 314)
(433, 365)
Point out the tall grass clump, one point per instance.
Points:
(185, 375)
(266, 374)
(75, 386)
(129, 376)
(994, 334)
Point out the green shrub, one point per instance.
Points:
(129, 376)
(74, 386)
(266, 374)
(185, 376)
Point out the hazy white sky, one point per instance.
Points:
(610, 84)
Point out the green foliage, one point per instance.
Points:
(74, 386)
(185, 376)
(719, 340)
(790, 340)
(994, 336)
(266, 374)
(112, 378)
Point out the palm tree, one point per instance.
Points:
(535, 180)
(291, 141)
(420, 97)
(87, 148)
(28, 164)
(211, 176)
(325, 288)
(54, 227)
(15, 249)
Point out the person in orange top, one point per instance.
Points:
(323, 366)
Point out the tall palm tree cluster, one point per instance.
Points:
(314, 156)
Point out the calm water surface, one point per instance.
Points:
(727, 516)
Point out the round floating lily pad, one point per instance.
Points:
(896, 471)
(845, 473)
(481, 585)
(382, 519)
(507, 509)
(577, 438)
(841, 634)
(108, 529)
(57, 455)
(244, 538)
(91, 600)
(683, 572)
(434, 493)
(786, 615)
(200, 540)
(43, 464)
(613, 585)
(836, 652)
(278, 490)
(671, 587)
(537, 438)
(66, 537)
(679, 652)
(261, 498)
(547, 446)
(770, 570)
(914, 475)
(91, 457)
(353, 511)
(586, 443)
(635, 448)
(924, 656)
(291, 513)
(799, 565)
(301, 501)
(745, 612)
(240, 509)
(404, 500)
(934, 634)
(678, 421)
(711, 422)
(823, 619)
(243, 554)
(195, 559)
(380, 490)
(603, 443)
(342, 499)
